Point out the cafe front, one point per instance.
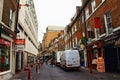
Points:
(94, 51)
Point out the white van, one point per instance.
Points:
(57, 57)
(70, 59)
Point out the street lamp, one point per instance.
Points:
(17, 15)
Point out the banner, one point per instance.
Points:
(79, 35)
(97, 22)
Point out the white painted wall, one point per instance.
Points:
(29, 26)
(1, 8)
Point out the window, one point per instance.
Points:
(97, 33)
(4, 58)
(10, 17)
(76, 40)
(87, 13)
(103, 0)
(108, 23)
(82, 19)
(75, 28)
(93, 5)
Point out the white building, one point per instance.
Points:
(15, 57)
(28, 28)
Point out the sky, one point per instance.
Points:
(54, 13)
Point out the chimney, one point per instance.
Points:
(78, 8)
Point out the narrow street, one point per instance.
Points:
(47, 72)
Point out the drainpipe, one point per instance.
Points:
(90, 56)
(71, 38)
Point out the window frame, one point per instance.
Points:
(10, 16)
(93, 5)
(108, 21)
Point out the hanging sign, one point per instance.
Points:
(97, 22)
(4, 42)
(20, 41)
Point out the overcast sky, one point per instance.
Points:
(54, 12)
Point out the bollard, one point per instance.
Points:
(28, 73)
(90, 68)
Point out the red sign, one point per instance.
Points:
(97, 22)
(4, 42)
(20, 41)
(79, 35)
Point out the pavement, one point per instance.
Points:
(23, 75)
(102, 75)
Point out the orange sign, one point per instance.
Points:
(20, 41)
(100, 64)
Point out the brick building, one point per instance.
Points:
(98, 24)
(51, 33)
(101, 18)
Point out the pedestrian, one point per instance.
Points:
(52, 63)
(37, 65)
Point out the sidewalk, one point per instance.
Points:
(102, 75)
(23, 75)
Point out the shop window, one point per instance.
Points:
(95, 54)
(108, 23)
(4, 58)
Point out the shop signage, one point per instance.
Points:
(100, 64)
(4, 42)
(20, 47)
(20, 41)
(94, 46)
(110, 39)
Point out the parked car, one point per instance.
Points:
(57, 57)
(70, 59)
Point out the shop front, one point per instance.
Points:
(112, 52)
(20, 45)
(94, 51)
(4, 55)
(117, 45)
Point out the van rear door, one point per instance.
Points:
(73, 59)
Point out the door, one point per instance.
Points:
(111, 61)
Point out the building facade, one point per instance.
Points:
(27, 38)
(7, 38)
(98, 30)
(102, 31)
(49, 37)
